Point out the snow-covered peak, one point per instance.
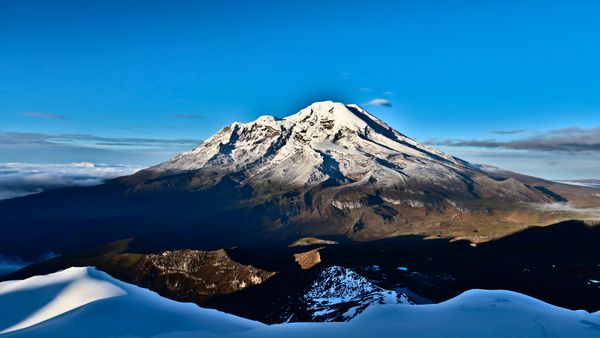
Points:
(324, 141)
(330, 114)
(266, 119)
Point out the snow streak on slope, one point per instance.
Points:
(120, 310)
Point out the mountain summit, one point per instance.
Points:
(330, 144)
(330, 170)
(324, 142)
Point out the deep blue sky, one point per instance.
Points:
(452, 70)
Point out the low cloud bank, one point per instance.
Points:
(12, 264)
(8, 265)
(17, 138)
(19, 179)
(572, 139)
(591, 213)
(583, 183)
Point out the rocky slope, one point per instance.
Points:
(340, 294)
(186, 275)
(557, 264)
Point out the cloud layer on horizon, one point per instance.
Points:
(66, 148)
(508, 132)
(10, 264)
(38, 138)
(19, 179)
(572, 140)
(561, 154)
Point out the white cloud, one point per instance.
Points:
(63, 148)
(592, 213)
(19, 179)
(380, 102)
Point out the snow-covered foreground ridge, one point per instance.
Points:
(83, 302)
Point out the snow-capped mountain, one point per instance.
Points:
(329, 170)
(83, 302)
(324, 141)
(330, 144)
(337, 164)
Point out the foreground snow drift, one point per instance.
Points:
(83, 302)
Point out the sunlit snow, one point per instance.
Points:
(83, 302)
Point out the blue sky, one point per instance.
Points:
(106, 81)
